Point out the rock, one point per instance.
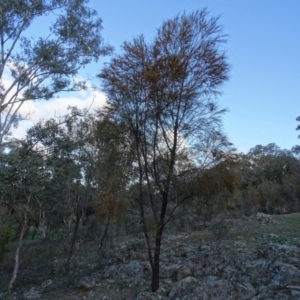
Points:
(150, 296)
(85, 284)
(204, 248)
(295, 293)
(46, 283)
(184, 272)
(110, 271)
(33, 293)
(131, 269)
(270, 236)
(228, 272)
(169, 271)
(245, 290)
(210, 279)
(264, 219)
(294, 287)
(276, 282)
(183, 287)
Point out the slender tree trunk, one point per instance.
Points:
(68, 264)
(33, 233)
(145, 229)
(18, 231)
(155, 269)
(104, 234)
(17, 254)
(140, 202)
(159, 232)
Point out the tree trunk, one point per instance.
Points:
(33, 233)
(68, 264)
(17, 254)
(159, 232)
(155, 269)
(18, 231)
(104, 234)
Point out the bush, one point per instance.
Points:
(220, 229)
(5, 239)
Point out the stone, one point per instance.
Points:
(85, 284)
(33, 293)
(169, 270)
(295, 293)
(131, 269)
(264, 219)
(245, 290)
(184, 272)
(293, 287)
(46, 283)
(210, 279)
(150, 296)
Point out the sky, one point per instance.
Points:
(263, 49)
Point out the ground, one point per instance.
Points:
(257, 257)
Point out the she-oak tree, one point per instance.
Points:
(164, 95)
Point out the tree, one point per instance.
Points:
(70, 184)
(164, 96)
(86, 162)
(298, 127)
(270, 179)
(296, 149)
(42, 68)
(113, 166)
(23, 176)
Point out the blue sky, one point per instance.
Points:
(263, 93)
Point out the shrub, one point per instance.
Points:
(220, 229)
(5, 239)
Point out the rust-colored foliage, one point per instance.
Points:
(220, 178)
(110, 205)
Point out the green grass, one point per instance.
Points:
(287, 229)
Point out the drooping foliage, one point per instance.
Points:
(38, 68)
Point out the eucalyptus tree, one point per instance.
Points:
(61, 146)
(87, 162)
(23, 176)
(270, 179)
(163, 94)
(296, 149)
(39, 68)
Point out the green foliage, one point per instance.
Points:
(41, 67)
(270, 180)
(5, 239)
(220, 229)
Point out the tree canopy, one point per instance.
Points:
(40, 68)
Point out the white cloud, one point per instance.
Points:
(34, 111)
(57, 107)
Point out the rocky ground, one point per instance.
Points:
(259, 258)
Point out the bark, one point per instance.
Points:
(159, 232)
(145, 230)
(155, 269)
(33, 233)
(68, 264)
(17, 254)
(104, 234)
